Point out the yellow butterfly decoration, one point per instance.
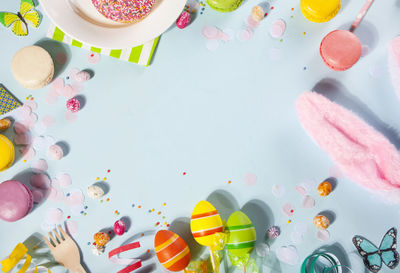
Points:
(20, 21)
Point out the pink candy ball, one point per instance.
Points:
(183, 20)
(73, 105)
(119, 227)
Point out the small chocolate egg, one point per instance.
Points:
(5, 123)
(119, 227)
(324, 189)
(257, 13)
(101, 239)
(321, 222)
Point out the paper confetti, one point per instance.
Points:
(7, 101)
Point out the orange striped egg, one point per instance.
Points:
(205, 223)
(172, 251)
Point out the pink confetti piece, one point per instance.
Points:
(74, 198)
(31, 121)
(20, 128)
(277, 29)
(296, 237)
(31, 104)
(27, 153)
(212, 45)
(71, 117)
(278, 190)
(301, 190)
(64, 180)
(59, 196)
(40, 129)
(24, 112)
(250, 179)
(364, 50)
(288, 209)
(51, 98)
(72, 227)
(210, 32)
(309, 185)
(23, 139)
(68, 91)
(40, 181)
(301, 227)
(288, 255)
(57, 85)
(323, 235)
(245, 35)
(61, 58)
(37, 196)
(54, 216)
(55, 183)
(48, 121)
(72, 73)
(40, 166)
(39, 143)
(78, 87)
(93, 57)
(275, 54)
(230, 33)
(251, 22)
(223, 36)
(308, 202)
(52, 194)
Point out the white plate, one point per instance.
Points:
(80, 20)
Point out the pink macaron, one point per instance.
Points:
(16, 200)
(340, 49)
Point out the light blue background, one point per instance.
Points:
(217, 116)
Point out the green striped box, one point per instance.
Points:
(139, 55)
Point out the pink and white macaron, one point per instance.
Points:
(124, 11)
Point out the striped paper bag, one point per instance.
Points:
(140, 54)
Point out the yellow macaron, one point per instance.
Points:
(319, 11)
(7, 153)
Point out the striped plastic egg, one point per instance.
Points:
(242, 234)
(205, 222)
(171, 250)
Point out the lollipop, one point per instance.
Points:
(241, 239)
(341, 49)
(206, 225)
(172, 251)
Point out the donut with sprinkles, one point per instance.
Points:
(124, 11)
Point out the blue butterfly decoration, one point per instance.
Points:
(373, 256)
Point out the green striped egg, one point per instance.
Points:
(241, 234)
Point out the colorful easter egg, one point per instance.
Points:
(324, 189)
(321, 222)
(205, 223)
(172, 251)
(241, 234)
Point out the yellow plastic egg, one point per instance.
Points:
(324, 189)
(321, 222)
(101, 239)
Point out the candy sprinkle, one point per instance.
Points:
(164, 204)
(108, 199)
(159, 212)
(97, 178)
(289, 221)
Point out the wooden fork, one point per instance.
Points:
(65, 250)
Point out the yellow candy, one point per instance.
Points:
(257, 13)
(321, 222)
(5, 123)
(101, 239)
(324, 189)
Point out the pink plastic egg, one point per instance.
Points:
(119, 227)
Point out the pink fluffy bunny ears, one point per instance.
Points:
(394, 63)
(362, 153)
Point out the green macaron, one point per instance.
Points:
(224, 5)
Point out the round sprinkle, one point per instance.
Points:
(104, 178)
(229, 182)
(148, 251)
(152, 210)
(133, 205)
(84, 214)
(86, 207)
(142, 234)
(108, 199)
(101, 201)
(97, 178)
(159, 213)
(289, 221)
(68, 194)
(108, 171)
(164, 204)
(184, 173)
(68, 217)
(88, 243)
(109, 232)
(149, 210)
(139, 206)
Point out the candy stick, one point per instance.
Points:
(244, 269)
(361, 15)
(212, 258)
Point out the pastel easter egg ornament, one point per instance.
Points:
(241, 234)
(7, 153)
(205, 223)
(172, 251)
(206, 226)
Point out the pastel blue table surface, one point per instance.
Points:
(215, 116)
